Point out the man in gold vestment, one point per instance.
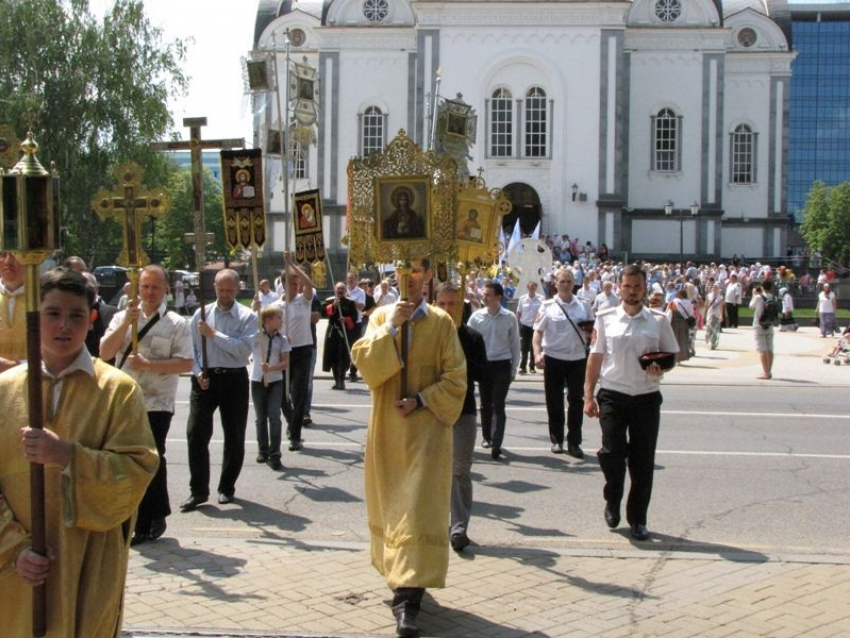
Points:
(408, 465)
(13, 312)
(98, 456)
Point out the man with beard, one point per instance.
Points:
(628, 403)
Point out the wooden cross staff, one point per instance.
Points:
(196, 145)
(130, 204)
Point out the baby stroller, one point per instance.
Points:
(841, 352)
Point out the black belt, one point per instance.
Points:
(226, 370)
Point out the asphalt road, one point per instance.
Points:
(739, 469)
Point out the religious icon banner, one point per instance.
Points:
(244, 208)
(309, 236)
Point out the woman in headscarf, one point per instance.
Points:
(679, 311)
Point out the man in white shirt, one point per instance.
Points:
(526, 313)
(732, 298)
(586, 293)
(385, 295)
(358, 296)
(629, 401)
(265, 296)
(605, 299)
(164, 352)
(560, 349)
(298, 313)
(501, 337)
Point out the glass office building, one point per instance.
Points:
(819, 122)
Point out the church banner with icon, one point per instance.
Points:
(309, 237)
(244, 208)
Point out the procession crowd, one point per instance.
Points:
(601, 332)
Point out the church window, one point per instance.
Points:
(668, 10)
(536, 123)
(501, 124)
(299, 160)
(666, 142)
(743, 155)
(372, 131)
(376, 10)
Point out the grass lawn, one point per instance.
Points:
(802, 313)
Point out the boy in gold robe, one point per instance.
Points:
(98, 456)
(408, 466)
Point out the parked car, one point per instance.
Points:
(111, 280)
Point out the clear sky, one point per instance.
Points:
(223, 32)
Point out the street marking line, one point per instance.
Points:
(791, 455)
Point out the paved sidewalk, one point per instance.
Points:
(667, 587)
(651, 589)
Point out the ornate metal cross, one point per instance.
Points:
(130, 203)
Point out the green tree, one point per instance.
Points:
(172, 228)
(97, 92)
(826, 221)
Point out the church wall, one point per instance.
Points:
(565, 63)
(665, 79)
(747, 102)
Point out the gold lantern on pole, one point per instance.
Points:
(30, 230)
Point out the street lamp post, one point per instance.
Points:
(669, 209)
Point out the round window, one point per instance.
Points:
(747, 37)
(668, 10)
(376, 10)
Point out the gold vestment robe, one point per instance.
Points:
(90, 506)
(408, 466)
(13, 328)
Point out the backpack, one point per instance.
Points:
(771, 313)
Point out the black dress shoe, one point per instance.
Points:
(307, 422)
(495, 453)
(639, 532)
(612, 515)
(275, 463)
(295, 446)
(139, 538)
(405, 624)
(224, 499)
(192, 503)
(262, 458)
(158, 527)
(459, 541)
(575, 451)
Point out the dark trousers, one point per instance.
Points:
(731, 315)
(267, 401)
(354, 335)
(228, 393)
(494, 391)
(556, 375)
(629, 434)
(155, 503)
(526, 334)
(295, 402)
(408, 599)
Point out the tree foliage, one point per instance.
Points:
(172, 228)
(826, 221)
(97, 91)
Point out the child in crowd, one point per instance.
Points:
(98, 456)
(841, 351)
(271, 357)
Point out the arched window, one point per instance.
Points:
(666, 142)
(742, 155)
(501, 124)
(299, 160)
(536, 123)
(372, 131)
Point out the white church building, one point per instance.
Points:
(658, 127)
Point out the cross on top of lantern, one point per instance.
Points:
(29, 206)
